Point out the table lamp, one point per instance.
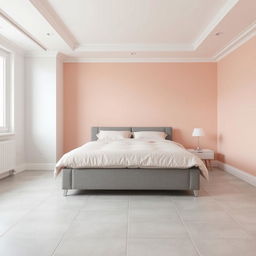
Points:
(198, 132)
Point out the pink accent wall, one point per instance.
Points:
(181, 95)
(237, 108)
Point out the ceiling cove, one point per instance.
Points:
(128, 30)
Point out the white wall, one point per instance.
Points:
(18, 100)
(43, 111)
(19, 114)
(38, 109)
(59, 106)
(40, 98)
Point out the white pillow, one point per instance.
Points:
(149, 135)
(113, 135)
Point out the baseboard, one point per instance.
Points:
(30, 167)
(4, 175)
(215, 163)
(20, 168)
(40, 166)
(238, 173)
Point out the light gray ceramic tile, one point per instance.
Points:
(8, 218)
(51, 216)
(106, 205)
(152, 204)
(19, 202)
(217, 229)
(117, 195)
(34, 214)
(29, 238)
(151, 196)
(96, 229)
(250, 228)
(226, 247)
(28, 245)
(199, 203)
(160, 247)
(238, 202)
(151, 214)
(92, 247)
(204, 215)
(244, 215)
(60, 203)
(29, 228)
(103, 216)
(221, 190)
(156, 229)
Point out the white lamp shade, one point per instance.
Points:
(198, 132)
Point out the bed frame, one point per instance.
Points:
(128, 178)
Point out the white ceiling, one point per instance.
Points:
(177, 22)
(13, 34)
(134, 29)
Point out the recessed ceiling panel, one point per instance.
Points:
(179, 29)
(175, 22)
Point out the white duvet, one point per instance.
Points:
(130, 153)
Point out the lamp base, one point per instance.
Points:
(198, 150)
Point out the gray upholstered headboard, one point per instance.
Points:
(167, 130)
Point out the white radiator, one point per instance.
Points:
(7, 155)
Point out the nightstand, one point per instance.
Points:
(205, 154)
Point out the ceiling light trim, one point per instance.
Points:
(242, 38)
(216, 20)
(55, 22)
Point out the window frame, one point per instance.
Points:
(7, 128)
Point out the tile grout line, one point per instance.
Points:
(231, 217)
(24, 215)
(187, 229)
(68, 227)
(127, 231)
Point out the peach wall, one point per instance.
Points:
(181, 95)
(237, 108)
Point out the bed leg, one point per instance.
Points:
(196, 192)
(65, 192)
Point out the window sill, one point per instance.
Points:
(6, 135)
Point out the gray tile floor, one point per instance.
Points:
(36, 220)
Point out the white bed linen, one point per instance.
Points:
(131, 153)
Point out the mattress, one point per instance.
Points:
(131, 153)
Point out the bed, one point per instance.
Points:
(131, 178)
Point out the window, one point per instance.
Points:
(5, 95)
